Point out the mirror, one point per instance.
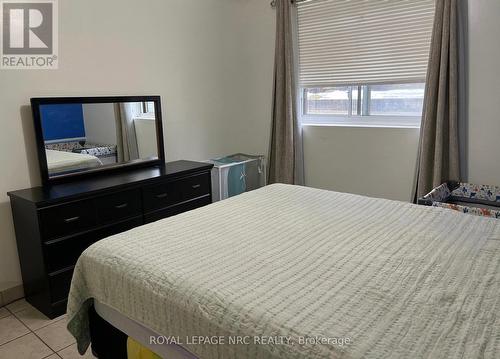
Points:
(82, 135)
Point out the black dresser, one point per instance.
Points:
(55, 224)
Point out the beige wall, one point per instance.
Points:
(484, 91)
(100, 123)
(378, 162)
(145, 133)
(210, 60)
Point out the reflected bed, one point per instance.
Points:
(62, 161)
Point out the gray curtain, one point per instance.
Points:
(126, 147)
(285, 155)
(443, 118)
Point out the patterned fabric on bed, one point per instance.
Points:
(93, 149)
(396, 279)
(484, 192)
(439, 193)
(63, 146)
(100, 151)
(485, 212)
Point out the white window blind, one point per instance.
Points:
(363, 41)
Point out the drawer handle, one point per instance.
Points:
(195, 186)
(121, 206)
(161, 195)
(72, 219)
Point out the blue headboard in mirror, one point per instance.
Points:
(62, 122)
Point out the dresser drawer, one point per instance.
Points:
(195, 186)
(65, 253)
(172, 211)
(59, 308)
(118, 206)
(161, 195)
(60, 284)
(67, 219)
(60, 254)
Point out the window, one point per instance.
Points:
(363, 62)
(148, 107)
(392, 104)
(145, 111)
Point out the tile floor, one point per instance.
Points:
(25, 333)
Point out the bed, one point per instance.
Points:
(62, 161)
(302, 273)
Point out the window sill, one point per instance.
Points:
(362, 121)
(145, 116)
(330, 124)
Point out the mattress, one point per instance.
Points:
(303, 273)
(61, 161)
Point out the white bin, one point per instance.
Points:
(236, 174)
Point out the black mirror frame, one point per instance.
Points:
(42, 158)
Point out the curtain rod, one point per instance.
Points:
(273, 3)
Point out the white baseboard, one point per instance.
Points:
(10, 295)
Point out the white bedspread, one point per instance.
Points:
(396, 279)
(61, 161)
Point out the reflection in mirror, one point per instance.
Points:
(80, 137)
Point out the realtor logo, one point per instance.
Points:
(29, 34)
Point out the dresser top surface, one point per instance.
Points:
(94, 185)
